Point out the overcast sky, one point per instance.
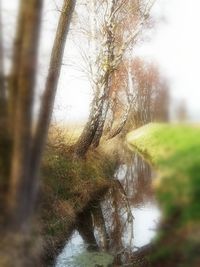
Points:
(174, 45)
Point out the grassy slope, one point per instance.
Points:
(68, 186)
(174, 150)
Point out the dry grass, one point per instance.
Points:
(68, 185)
(69, 133)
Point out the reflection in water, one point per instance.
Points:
(74, 247)
(122, 222)
(146, 220)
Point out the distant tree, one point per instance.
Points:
(161, 102)
(140, 95)
(181, 111)
(152, 97)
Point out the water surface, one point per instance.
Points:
(117, 225)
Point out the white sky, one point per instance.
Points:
(174, 45)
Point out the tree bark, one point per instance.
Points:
(121, 124)
(100, 128)
(108, 60)
(2, 74)
(4, 139)
(28, 147)
(48, 98)
(16, 61)
(18, 203)
(99, 107)
(87, 136)
(130, 104)
(2, 83)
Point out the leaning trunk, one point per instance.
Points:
(99, 106)
(99, 131)
(47, 104)
(121, 124)
(90, 129)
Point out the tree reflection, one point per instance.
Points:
(137, 181)
(108, 225)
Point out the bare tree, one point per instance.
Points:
(151, 94)
(119, 24)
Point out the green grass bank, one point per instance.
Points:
(174, 151)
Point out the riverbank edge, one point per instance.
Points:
(176, 243)
(93, 176)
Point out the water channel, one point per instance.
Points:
(114, 227)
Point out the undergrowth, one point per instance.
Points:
(68, 185)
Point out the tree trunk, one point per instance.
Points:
(87, 136)
(2, 84)
(130, 99)
(99, 131)
(4, 138)
(47, 104)
(2, 74)
(99, 106)
(19, 205)
(27, 149)
(121, 124)
(16, 61)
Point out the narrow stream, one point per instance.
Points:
(114, 227)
